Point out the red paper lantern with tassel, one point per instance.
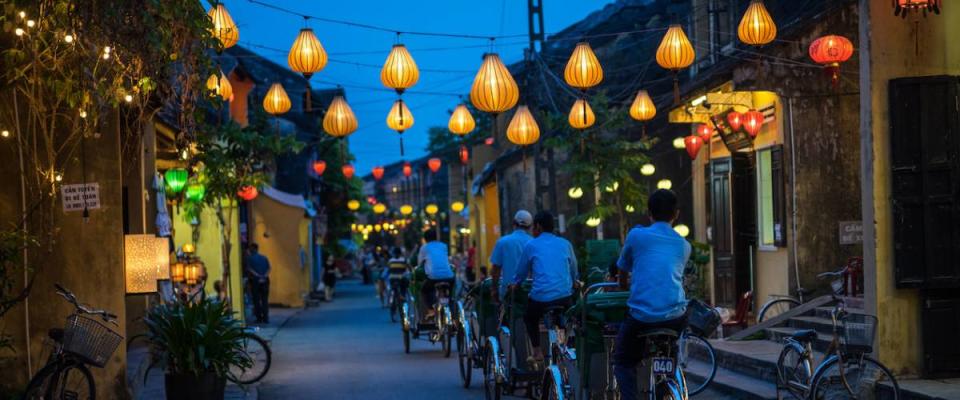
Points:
(348, 171)
(377, 173)
(464, 155)
(752, 122)
(830, 51)
(735, 120)
(407, 169)
(434, 164)
(319, 166)
(247, 193)
(693, 144)
(705, 132)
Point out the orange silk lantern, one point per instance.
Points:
(407, 169)
(276, 101)
(735, 120)
(830, 51)
(752, 122)
(705, 132)
(464, 154)
(247, 193)
(757, 27)
(583, 69)
(461, 122)
(693, 144)
(339, 121)
(399, 71)
(377, 173)
(494, 90)
(319, 166)
(348, 171)
(434, 164)
(901, 7)
(675, 53)
(223, 29)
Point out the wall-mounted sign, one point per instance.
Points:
(851, 232)
(79, 196)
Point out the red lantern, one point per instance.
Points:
(693, 144)
(319, 166)
(434, 164)
(900, 7)
(464, 154)
(752, 122)
(488, 141)
(735, 120)
(830, 51)
(348, 171)
(407, 169)
(705, 132)
(247, 193)
(377, 173)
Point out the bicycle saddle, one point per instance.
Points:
(658, 332)
(804, 335)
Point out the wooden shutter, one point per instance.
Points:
(941, 322)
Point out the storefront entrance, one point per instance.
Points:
(733, 213)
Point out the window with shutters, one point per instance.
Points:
(770, 202)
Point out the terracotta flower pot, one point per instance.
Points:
(191, 387)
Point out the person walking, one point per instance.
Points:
(258, 268)
(506, 253)
(329, 277)
(435, 259)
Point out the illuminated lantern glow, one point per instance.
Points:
(581, 115)
(464, 154)
(643, 108)
(176, 179)
(223, 29)
(613, 187)
(192, 273)
(399, 119)
(348, 171)
(488, 141)
(456, 206)
(146, 259)
(306, 55)
(339, 121)
(583, 69)
(682, 230)
(407, 169)
(735, 120)
(523, 129)
(399, 71)
(406, 209)
(593, 222)
(494, 90)
(830, 51)
(575, 192)
(379, 208)
(434, 164)
(629, 209)
(177, 272)
(319, 166)
(757, 27)
(195, 192)
(247, 193)
(378, 227)
(693, 144)
(353, 205)
(220, 86)
(901, 7)
(675, 53)
(461, 122)
(679, 143)
(377, 173)
(705, 132)
(752, 122)
(664, 184)
(276, 101)
(188, 248)
(647, 169)
(431, 209)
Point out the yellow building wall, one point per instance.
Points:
(894, 54)
(281, 231)
(491, 221)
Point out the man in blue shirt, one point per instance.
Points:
(654, 257)
(258, 277)
(553, 264)
(435, 259)
(506, 253)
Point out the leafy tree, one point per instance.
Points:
(336, 190)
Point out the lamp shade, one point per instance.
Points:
(523, 129)
(379, 208)
(464, 154)
(406, 209)
(247, 193)
(461, 122)
(177, 272)
(319, 166)
(494, 90)
(735, 120)
(643, 108)
(146, 259)
(407, 169)
(675, 51)
(456, 206)
(581, 115)
(693, 144)
(195, 192)
(339, 121)
(399, 71)
(583, 69)
(307, 55)
(348, 171)
(353, 205)
(752, 122)
(219, 85)
(192, 272)
(399, 118)
(431, 209)
(377, 173)
(648, 169)
(276, 101)
(830, 51)
(224, 29)
(757, 27)
(434, 164)
(176, 179)
(664, 184)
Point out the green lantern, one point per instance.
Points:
(176, 179)
(195, 192)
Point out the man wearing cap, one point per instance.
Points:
(506, 253)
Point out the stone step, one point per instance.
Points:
(779, 335)
(922, 389)
(756, 359)
(732, 383)
(827, 311)
(822, 325)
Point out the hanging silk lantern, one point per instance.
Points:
(488, 141)
(306, 55)
(461, 122)
(629, 209)
(682, 230)
(176, 179)
(901, 7)
(407, 169)
(735, 120)
(693, 144)
(195, 192)
(431, 209)
(399, 119)
(399, 72)
(494, 90)
(177, 272)
(348, 171)
(353, 205)
(664, 184)
(406, 209)
(612, 188)
(705, 132)
(647, 169)
(643, 108)
(319, 166)
(379, 208)
(339, 120)
(830, 51)
(675, 53)
(220, 86)
(456, 206)
(223, 29)
(583, 69)
(757, 27)
(678, 143)
(247, 193)
(434, 164)
(464, 154)
(276, 101)
(752, 122)
(594, 222)
(523, 129)
(377, 173)
(581, 115)
(575, 192)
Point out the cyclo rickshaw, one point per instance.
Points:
(505, 346)
(441, 328)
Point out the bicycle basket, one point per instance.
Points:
(858, 332)
(90, 340)
(701, 318)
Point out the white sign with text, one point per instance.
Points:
(79, 196)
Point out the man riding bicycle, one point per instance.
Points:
(397, 271)
(553, 264)
(435, 259)
(506, 254)
(656, 256)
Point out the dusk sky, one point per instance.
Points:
(454, 59)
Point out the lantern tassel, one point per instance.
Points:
(676, 88)
(309, 105)
(401, 145)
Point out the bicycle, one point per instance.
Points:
(395, 299)
(780, 304)
(444, 318)
(258, 349)
(84, 341)
(846, 370)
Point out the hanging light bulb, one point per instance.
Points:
(523, 129)
(581, 115)
(434, 164)
(461, 122)
(406, 209)
(224, 29)
(307, 55)
(613, 187)
(431, 209)
(220, 86)
(757, 27)
(583, 69)
(675, 53)
(494, 90)
(379, 208)
(629, 209)
(647, 169)
(575, 192)
(339, 121)
(682, 230)
(464, 154)
(399, 71)
(276, 101)
(407, 169)
(643, 108)
(456, 206)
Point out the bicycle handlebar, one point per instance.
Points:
(84, 309)
(832, 274)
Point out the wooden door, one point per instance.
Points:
(721, 229)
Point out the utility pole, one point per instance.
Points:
(535, 22)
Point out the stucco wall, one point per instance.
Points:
(279, 230)
(209, 249)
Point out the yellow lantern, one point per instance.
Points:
(399, 118)
(629, 209)
(678, 143)
(406, 209)
(664, 184)
(647, 169)
(431, 209)
(461, 122)
(353, 227)
(643, 108)
(378, 227)
(494, 90)
(177, 272)
(220, 86)
(192, 272)
(523, 129)
(757, 27)
(379, 208)
(575, 192)
(456, 206)
(399, 71)
(612, 188)
(307, 55)
(276, 101)
(581, 115)
(339, 120)
(353, 205)
(682, 230)
(224, 29)
(583, 69)
(675, 51)
(594, 222)
(188, 248)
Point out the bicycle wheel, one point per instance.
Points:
(776, 307)
(550, 388)
(62, 381)
(669, 390)
(862, 378)
(259, 351)
(793, 371)
(406, 341)
(696, 355)
(464, 358)
(394, 306)
(492, 386)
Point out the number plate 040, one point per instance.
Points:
(663, 365)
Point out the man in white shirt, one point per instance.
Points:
(435, 259)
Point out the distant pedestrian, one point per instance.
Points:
(329, 277)
(258, 268)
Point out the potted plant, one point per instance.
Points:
(197, 343)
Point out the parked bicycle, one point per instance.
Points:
(86, 340)
(846, 371)
(842, 283)
(260, 354)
